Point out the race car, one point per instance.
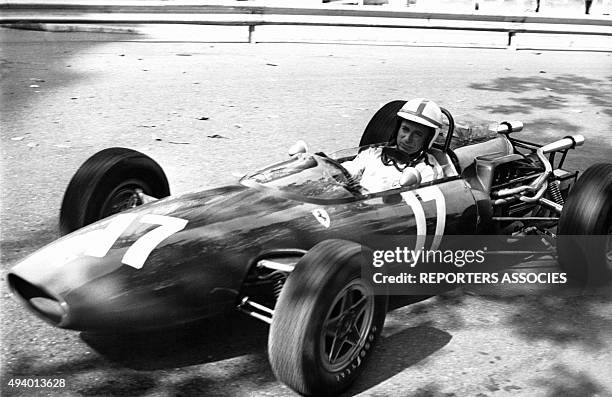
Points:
(286, 243)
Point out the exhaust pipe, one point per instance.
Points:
(569, 142)
(539, 186)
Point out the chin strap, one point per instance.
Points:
(391, 156)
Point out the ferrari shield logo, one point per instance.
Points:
(322, 216)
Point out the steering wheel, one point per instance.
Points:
(337, 164)
(352, 185)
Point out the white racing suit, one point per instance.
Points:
(373, 175)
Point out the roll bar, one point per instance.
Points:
(451, 129)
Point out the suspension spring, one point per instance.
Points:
(278, 283)
(555, 193)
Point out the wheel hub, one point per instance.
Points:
(348, 322)
(125, 196)
(346, 326)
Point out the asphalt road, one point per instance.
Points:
(206, 111)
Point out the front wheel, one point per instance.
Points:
(585, 227)
(108, 183)
(326, 321)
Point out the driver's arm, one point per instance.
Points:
(356, 166)
(429, 172)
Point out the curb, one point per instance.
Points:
(53, 27)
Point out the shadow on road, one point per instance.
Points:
(27, 242)
(201, 342)
(569, 94)
(392, 357)
(568, 383)
(593, 90)
(558, 93)
(29, 70)
(233, 338)
(564, 314)
(135, 364)
(561, 319)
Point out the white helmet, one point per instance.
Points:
(423, 111)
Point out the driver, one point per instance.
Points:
(404, 161)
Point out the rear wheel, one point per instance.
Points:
(585, 227)
(382, 125)
(108, 183)
(326, 321)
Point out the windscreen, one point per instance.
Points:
(305, 175)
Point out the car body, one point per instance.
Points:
(199, 270)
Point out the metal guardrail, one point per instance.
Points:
(252, 15)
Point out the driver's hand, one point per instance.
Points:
(410, 177)
(300, 147)
(301, 156)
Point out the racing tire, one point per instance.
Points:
(106, 184)
(584, 233)
(327, 320)
(382, 125)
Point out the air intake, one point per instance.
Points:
(38, 300)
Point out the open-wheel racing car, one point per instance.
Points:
(285, 244)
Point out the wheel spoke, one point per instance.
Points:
(332, 323)
(347, 301)
(353, 336)
(330, 326)
(331, 351)
(335, 350)
(352, 339)
(360, 306)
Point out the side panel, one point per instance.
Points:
(426, 213)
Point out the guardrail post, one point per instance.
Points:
(251, 33)
(511, 34)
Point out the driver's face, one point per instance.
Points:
(412, 136)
